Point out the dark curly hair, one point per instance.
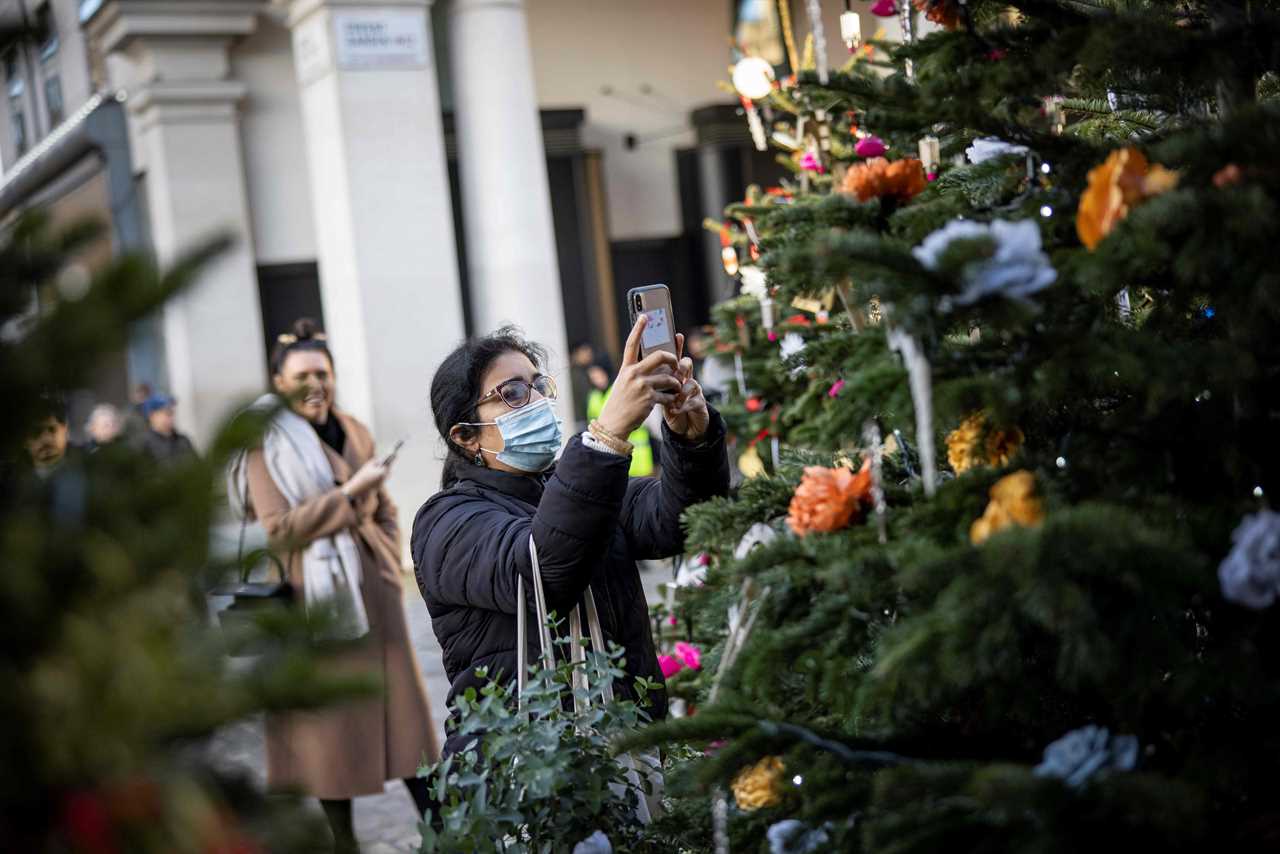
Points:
(456, 387)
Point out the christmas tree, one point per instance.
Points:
(113, 675)
(1002, 574)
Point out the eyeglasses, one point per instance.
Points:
(516, 393)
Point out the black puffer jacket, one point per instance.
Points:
(590, 523)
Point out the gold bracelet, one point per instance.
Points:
(609, 440)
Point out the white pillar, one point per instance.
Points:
(511, 251)
(384, 223)
(171, 58)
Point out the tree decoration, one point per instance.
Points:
(967, 447)
(930, 148)
(850, 28)
(728, 254)
(759, 534)
(944, 13)
(884, 8)
(759, 786)
(985, 148)
(1013, 502)
(869, 146)
(754, 283)
(749, 463)
(596, 843)
(686, 656)
(829, 499)
(1082, 753)
(876, 452)
(1250, 574)
(810, 161)
(814, 8)
(1227, 176)
(879, 178)
(1120, 183)
(790, 348)
(791, 836)
(920, 379)
(1015, 266)
(753, 78)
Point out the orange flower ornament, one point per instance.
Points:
(1122, 182)
(965, 448)
(876, 177)
(828, 499)
(758, 786)
(1013, 502)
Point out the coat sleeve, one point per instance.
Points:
(293, 527)
(691, 473)
(387, 517)
(468, 549)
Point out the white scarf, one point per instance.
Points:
(298, 465)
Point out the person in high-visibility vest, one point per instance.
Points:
(642, 456)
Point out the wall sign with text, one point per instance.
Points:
(381, 40)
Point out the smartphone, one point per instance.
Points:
(395, 449)
(653, 301)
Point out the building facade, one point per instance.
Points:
(407, 171)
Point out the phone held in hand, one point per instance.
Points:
(395, 449)
(653, 301)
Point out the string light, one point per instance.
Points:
(797, 779)
(1061, 462)
(1046, 211)
(1257, 492)
(1045, 168)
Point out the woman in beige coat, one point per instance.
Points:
(349, 750)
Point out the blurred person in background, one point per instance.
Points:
(135, 423)
(642, 453)
(161, 440)
(316, 486)
(104, 426)
(581, 358)
(47, 444)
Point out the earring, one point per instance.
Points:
(479, 459)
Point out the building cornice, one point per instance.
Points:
(117, 22)
(297, 11)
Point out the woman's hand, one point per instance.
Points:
(367, 478)
(641, 383)
(687, 415)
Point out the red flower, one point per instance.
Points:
(84, 815)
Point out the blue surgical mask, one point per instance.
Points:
(530, 437)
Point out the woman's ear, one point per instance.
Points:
(465, 437)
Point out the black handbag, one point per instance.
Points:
(250, 598)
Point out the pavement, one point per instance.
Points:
(386, 823)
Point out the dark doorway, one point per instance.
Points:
(286, 293)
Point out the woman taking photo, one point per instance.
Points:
(315, 484)
(589, 521)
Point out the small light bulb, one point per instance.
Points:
(1061, 462)
(1257, 492)
(1046, 211)
(1045, 168)
(797, 779)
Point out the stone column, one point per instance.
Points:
(384, 223)
(506, 206)
(171, 59)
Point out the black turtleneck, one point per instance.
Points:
(332, 434)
